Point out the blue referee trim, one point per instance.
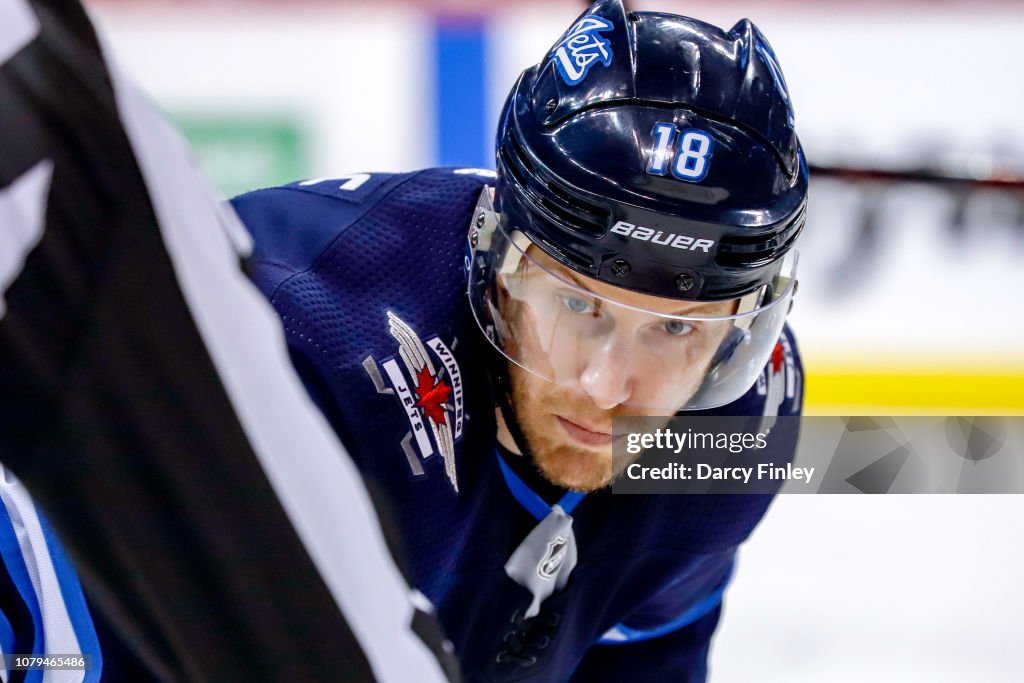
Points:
(698, 611)
(14, 562)
(529, 499)
(74, 602)
(463, 134)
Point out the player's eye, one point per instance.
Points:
(576, 304)
(678, 328)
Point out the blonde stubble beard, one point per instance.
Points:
(556, 458)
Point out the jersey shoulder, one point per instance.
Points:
(369, 281)
(293, 225)
(779, 389)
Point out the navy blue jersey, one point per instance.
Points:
(368, 274)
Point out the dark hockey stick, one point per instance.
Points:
(1008, 180)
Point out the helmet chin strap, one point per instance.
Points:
(497, 364)
(501, 389)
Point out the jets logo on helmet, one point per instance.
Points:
(581, 47)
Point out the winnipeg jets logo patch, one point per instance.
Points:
(553, 558)
(429, 387)
(581, 47)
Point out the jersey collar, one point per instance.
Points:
(529, 499)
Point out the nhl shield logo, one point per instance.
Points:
(553, 558)
(429, 387)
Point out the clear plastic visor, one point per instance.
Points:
(616, 346)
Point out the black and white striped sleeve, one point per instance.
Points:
(147, 401)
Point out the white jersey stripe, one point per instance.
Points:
(18, 26)
(416, 421)
(22, 219)
(315, 480)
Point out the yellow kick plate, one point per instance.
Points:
(895, 389)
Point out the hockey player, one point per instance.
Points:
(471, 340)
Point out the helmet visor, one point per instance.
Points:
(617, 346)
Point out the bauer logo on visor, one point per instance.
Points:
(581, 47)
(667, 239)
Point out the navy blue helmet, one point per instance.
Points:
(661, 122)
(656, 155)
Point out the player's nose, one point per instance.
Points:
(604, 377)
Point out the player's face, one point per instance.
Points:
(617, 365)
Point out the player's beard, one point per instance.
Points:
(537, 403)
